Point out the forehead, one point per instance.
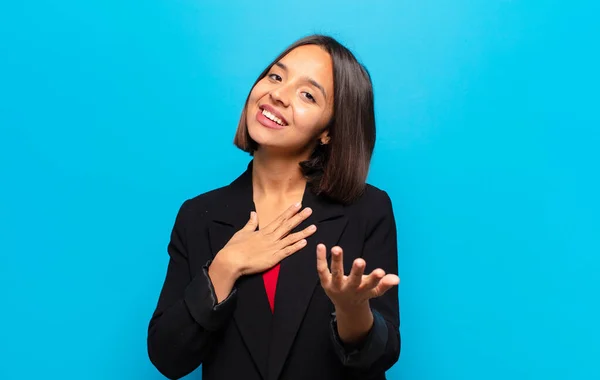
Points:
(311, 61)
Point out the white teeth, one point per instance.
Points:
(270, 116)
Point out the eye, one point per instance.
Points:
(309, 96)
(275, 77)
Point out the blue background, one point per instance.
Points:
(113, 113)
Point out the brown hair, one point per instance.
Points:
(338, 169)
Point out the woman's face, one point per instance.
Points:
(290, 107)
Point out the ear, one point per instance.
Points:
(324, 137)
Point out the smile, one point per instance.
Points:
(272, 117)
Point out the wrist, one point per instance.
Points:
(354, 322)
(359, 312)
(225, 268)
(223, 278)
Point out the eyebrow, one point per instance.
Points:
(308, 79)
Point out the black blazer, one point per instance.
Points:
(240, 338)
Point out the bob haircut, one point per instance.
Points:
(338, 169)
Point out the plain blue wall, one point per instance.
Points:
(113, 113)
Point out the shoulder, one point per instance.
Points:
(204, 200)
(372, 208)
(201, 206)
(373, 200)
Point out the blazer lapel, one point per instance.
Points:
(298, 278)
(252, 314)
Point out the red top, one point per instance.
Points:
(270, 280)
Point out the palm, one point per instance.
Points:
(354, 288)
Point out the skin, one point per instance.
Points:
(300, 88)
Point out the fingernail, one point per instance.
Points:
(312, 228)
(297, 205)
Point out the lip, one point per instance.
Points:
(274, 111)
(266, 122)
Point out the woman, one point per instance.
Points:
(249, 293)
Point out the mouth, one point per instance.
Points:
(272, 114)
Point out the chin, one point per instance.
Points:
(255, 130)
(261, 135)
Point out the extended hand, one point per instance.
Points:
(355, 289)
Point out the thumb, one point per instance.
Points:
(252, 223)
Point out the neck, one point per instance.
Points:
(276, 177)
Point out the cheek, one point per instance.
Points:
(260, 90)
(254, 95)
(308, 120)
(251, 106)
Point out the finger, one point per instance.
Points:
(373, 279)
(289, 250)
(356, 273)
(292, 238)
(337, 267)
(322, 267)
(287, 214)
(287, 225)
(391, 279)
(252, 222)
(386, 283)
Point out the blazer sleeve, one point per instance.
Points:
(381, 348)
(187, 318)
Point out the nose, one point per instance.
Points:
(280, 94)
